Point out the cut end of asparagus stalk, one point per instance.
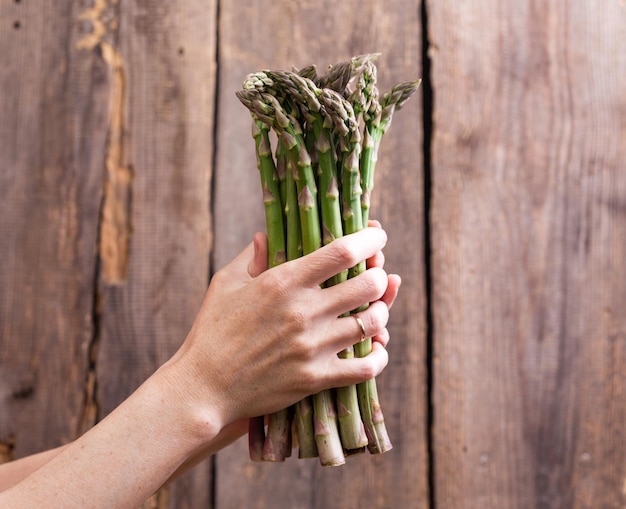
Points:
(351, 427)
(256, 438)
(329, 446)
(307, 447)
(382, 443)
(277, 446)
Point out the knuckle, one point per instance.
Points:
(221, 277)
(368, 370)
(345, 253)
(375, 282)
(377, 260)
(275, 283)
(296, 330)
(302, 349)
(373, 364)
(297, 319)
(380, 317)
(380, 280)
(383, 337)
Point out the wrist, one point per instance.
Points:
(196, 418)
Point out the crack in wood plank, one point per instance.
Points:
(6, 450)
(94, 15)
(115, 220)
(116, 208)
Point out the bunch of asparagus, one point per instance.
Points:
(328, 130)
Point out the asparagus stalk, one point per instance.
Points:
(307, 446)
(276, 251)
(310, 71)
(303, 424)
(351, 427)
(327, 438)
(256, 437)
(277, 444)
(271, 194)
(337, 77)
(292, 213)
(281, 172)
(344, 76)
(377, 119)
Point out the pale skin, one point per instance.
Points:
(262, 340)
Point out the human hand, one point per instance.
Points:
(259, 264)
(265, 339)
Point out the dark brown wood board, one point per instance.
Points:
(52, 139)
(280, 35)
(106, 144)
(529, 245)
(155, 233)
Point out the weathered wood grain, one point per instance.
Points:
(107, 120)
(282, 34)
(529, 243)
(52, 138)
(155, 232)
(107, 116)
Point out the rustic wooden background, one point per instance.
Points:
(127, 177)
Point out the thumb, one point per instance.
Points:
(258, 264)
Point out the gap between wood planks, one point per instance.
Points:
(212, 193)
(427, 126)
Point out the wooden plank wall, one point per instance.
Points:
(107, 131)
(127, 176)
(53, 105)
(529, 250)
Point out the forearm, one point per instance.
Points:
(125, 458)
(15, 471)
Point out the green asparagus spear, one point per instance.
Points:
(377, 119)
